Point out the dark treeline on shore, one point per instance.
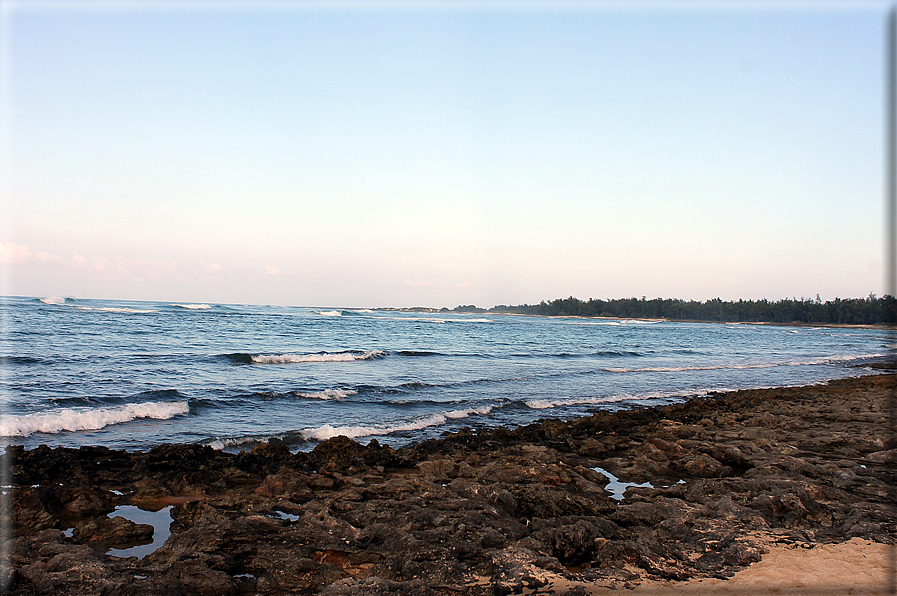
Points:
(871, 310)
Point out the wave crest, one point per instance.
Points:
(74, 420)
(813, 362)
(322, 433)
(114, 309)
(326, 394)
(320, 357)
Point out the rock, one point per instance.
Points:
(703, 466)
(503, 511)
(882, 457)
(115, 532)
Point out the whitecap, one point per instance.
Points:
(53, 300)
(328, 394)
(113, 309)
(70, 419)
(193, 306)
(327, 431)
(325, 357)
(839, 358)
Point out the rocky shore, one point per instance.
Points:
(507, 511)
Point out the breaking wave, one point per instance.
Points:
(322, 433)
(814, 362)
(113, 309)
(349, 356)
(326, 394)
(193, 306)
(74, 420)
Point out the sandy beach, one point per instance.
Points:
(773, 491)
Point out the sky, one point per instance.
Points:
(437, 154)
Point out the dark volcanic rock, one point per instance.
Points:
(506, 511)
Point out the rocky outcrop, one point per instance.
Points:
(506, 511)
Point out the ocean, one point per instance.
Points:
(131, 375)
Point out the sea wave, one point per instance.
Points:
(70, 419)
(327, 431)
(543, 404)
(600, 353)
(813, 362)
(433, 319)
(114, 309)
(326, 394)
(192, 306)
(53, 300)
(328, 313)
(348, 356)
(248, 440)
(19, 360)
(322, 433)
(615, 323)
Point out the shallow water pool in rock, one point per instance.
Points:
(616, 487)
(160, 521)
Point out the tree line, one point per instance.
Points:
(871, 310)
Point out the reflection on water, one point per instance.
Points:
(159, 520)
(616, 487)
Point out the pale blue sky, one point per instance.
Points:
(421, 154)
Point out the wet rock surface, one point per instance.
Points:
(506, 511)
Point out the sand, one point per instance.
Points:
(857, 568)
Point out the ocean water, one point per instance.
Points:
(131, 375)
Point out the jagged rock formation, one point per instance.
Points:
(498, 512)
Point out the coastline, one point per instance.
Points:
(736, 479)
(651, 320)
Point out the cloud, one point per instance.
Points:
(11, 253)
(45, 256)
(214, 267)
(270, 270)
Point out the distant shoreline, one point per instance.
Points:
(429, 310)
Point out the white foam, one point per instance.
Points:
(328, 313)
(543, 404)
(53, 300)
(193, 306)
(435, 320)
(113, 309)
(327, 431)
(219, 444)
(74, 420)
(326, 357)
(816, 361)
(328, 394)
